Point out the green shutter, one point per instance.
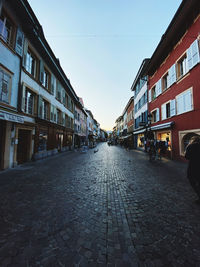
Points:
(25, 53)
(19, 42)
(23, 97)
(40, 107)
(41, 71)
(53, 87)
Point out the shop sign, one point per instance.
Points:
(11, 117)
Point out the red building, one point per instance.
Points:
(174, 81)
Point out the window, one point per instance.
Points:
(45, 109)
(5, 86)
(182, 66)
(166, 111)
(193, 56)
(46, 79)
(6, 29)
(29, 102)
(31, 63)
(155, 115)
(184, 102)
(165, 82)
(59, 117)
(58, 92)
(153, 90)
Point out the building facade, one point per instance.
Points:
(174, 69)
(36, 97)
(139, 87)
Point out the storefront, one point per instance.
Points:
(9, 123)
(2, 142)
(139, 138)
(163, 133)
(24, 143)
(184, 139)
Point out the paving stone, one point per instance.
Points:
(111, 208)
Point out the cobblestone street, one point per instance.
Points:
(110, 208)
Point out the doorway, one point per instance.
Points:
(24, 145)
(2, 142)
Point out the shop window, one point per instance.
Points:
(186, 139)
(42, 146)
(182, 66)
(5, 86)
(6, 29)
(31, 63)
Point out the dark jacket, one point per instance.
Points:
(193, 155)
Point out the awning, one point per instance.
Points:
(125, 137)
(162, 126)
(139, 131)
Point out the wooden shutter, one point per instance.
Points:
(63, 119)
(63, 96)
(172, 107)
(163, 110)
(41, 71)
(157, 114)
(23, 96)
(19, 42)
(55, 114)
(40, 106)
(25, 52)
(150, 95)
(53, 84)
(173, 74)
(180, 104)
(158, 88)
(195, 52)
(189, 58)
(188, 100)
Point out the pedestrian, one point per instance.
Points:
(193, 171)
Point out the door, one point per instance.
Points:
(2, 142)
(23, 147)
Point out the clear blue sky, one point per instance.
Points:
(101, 45)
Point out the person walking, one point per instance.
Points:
(193, 171)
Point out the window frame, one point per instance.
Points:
(12, 31)
(4, 72)
(29, 68)
(26, 107)
(182, 66)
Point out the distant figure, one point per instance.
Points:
(193, 172)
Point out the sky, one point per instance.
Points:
(101, 45)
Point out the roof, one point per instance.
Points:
(182, 20)
(33, 30)
(128, 104)
(141, 73)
